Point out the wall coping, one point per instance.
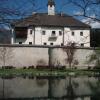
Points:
(47, 46)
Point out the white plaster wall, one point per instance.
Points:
(28, 56)
(30, 37)
(45, 38)
(38, 35)
(40, 39)
(25, 56)
(85, 39)
(51, 10)
(59, 56)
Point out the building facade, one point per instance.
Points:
(50, 29)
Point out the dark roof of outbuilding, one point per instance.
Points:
(43, 19)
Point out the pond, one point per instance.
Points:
(50, 88)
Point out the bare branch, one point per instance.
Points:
(92, 5)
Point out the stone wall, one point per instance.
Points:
(59, 57)
(25, 55)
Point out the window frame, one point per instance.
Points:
(53, 33)
(73, 33)
(31, 31)
(82, 44)
(43, 32)
(81, 33)
(20, 43)
(44, 43)
(62, 44)
(60, 33)
(52, 43)
(30, 43)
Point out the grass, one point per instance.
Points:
(34, 72)
(44, 72)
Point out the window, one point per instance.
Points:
(81, 33)
(43, 32)
(30, 42)
(62, 44)
(50, 5)
(51, 43)
(82, 45)
(30, 31)
(45, 43)
(53, 33)
(60, 33)
(20, 42)
(73, 33)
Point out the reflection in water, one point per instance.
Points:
(51, 88)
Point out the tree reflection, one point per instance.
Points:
(41, 82)
(70, 89)
(70, 92)
(53, 82)
(95, 88)
(55, 88)
(6, 90)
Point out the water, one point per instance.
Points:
(50, 88)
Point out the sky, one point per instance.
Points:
(26, 7)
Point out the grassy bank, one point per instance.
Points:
(36, 72)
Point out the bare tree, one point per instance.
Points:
(95, 57)
(14, 9)
(86, 8)
(70, 50)
(6, 54)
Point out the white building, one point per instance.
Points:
(50, 29)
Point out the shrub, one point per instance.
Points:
(24, 67)
(8, 67)
(58, 67)
(42, 67)
(41, 62)
(31, 67)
